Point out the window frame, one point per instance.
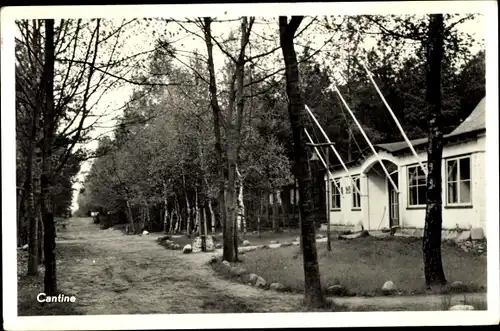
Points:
(335, 192)
(409, 186)
(458, 204)
(356, 180)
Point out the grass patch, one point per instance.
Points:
(228, 304)
(363, 265)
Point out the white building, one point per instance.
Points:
(379, 205)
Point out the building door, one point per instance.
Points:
(393, 201)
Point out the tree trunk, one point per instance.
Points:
(50, 280)
(205, 232)
(312, 281)
(284, 210)
(227, 236)
(294, 200)
(178, 225)
(268, 209)
(165, 218)
(433, 266)
(258, 216)
(31, 210)
(174, 213)
(212, 217)
(275, 211)
(241, 222)
(188, 207)
(41, 256)
(231, 229)
(142, 219)
(32, 187)
(130, 218)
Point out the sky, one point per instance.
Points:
(140, 38)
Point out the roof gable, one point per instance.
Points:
(475, 121)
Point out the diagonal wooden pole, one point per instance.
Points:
(367, 140)
(333, 148)
(370, 76)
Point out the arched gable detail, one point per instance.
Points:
(372, 160)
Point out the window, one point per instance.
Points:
(356, 197)
(336, 194)
(458, 181)
(417, 186)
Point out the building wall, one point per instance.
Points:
(374, 195)
(346, 215)
(464, 217)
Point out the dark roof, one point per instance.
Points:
(399, 145)
(476, 121)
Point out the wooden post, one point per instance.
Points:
(328, 243)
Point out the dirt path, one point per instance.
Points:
(111, 273)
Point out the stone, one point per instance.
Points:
(358, 227)
(177, 246)
(226, 264)
(187, 249)
(277, 287)
(252, 278)
(335, 290)
(286, 244)
(274, 242)
(477, 234)
(463, 236)
(218, 246)
(246, 243)
(320, 236)
(260, 282)
(461, 307)
(468, 244)
(145, 233)
(388, 287)
(465, 249)
(213, 259)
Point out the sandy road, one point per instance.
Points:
(112, 273)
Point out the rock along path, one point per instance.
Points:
(113, 273)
